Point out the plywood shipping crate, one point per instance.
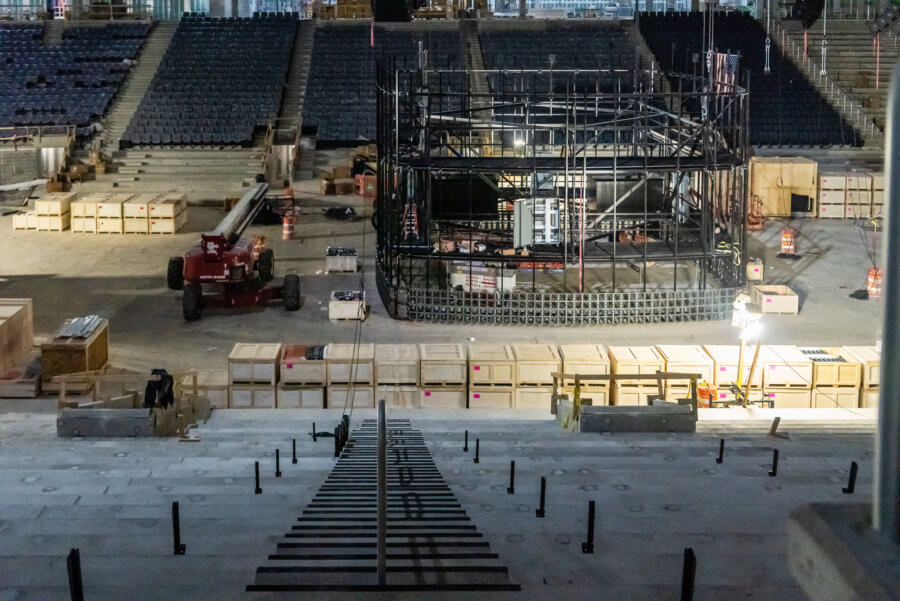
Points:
(625, 395)
(776, 180)
(64, 354)
(347, 305)
(585, 359)
(25, 221)
(635, 360)
(396, 364)
(211, 383)
(360, 396)
(443, 397)
(535, 364)
(789, 398)
(168, 206)
(303, 364)
(346, 363)
(834, 398)
(442, 365)
(776, 298)
(491, 365)
(84, 225)
(492, 397)
(254, 363)
(293, 396)
(725, 365)
(111, 206)
(868, 397)
(138, 207)
(686, 358)
(86, 206)
(339, 260)
(251, 396)
(16, 331)
(833, 368)
(53, 223)
(398, 396)
(167, 226)
(534, 397)
(870, 359)
(57, 203)
(785, 366)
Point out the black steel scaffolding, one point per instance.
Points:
(560, 196)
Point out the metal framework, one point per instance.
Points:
(559, 196)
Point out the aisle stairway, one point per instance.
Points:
(298, 72)
(432, 545)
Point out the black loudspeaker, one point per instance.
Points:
(807, 11)
(393, 10)
(453, 197)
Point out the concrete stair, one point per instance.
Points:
(298, 73)
(139, 78)
(53, 31)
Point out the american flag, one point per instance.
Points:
(725, 68)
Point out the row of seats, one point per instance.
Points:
(785, 108)
(70, 83)
(221, 80)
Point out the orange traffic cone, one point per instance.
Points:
(287, 228)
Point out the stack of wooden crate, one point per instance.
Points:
(586, 359)
(442, 376)
(858, 202)
(851, 195)
(869, 358)
(725, 359)
(877, 195)
(110, 213)
(211, 383)
(686, 359)
(168, 213)
(253, 374)
(136, 213)
(84, 213)
(349, 371)
(634, 360)
(25, 221)
(54, 211)
(787, 376)
(836, 377)
(397, 374)
(832, 195)
(492, 376)
(303, 377)
(535, 365)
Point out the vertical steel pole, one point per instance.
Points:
(382, 493)
(887, 440)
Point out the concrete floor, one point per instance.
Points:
(656, 494)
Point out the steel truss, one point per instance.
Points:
(620, 173)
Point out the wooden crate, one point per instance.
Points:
(443, 397)
(136, 225)
(398, 396)
(775, 179)
(254, 363)
(686, 358)
(298, 368)
(25, 221)
(533, 397)
(362, 396)
(347, 305)
(53, 223)
(492, 397)
(832, 180)
(139, 206)
(87, 205)
(108, 225)
(212, 383)
(111, 207)
(832, 398)
(832, 197)
(725, 365)
(293, 396)
(535, 364)
(833, 368)
(340, 368)
(634, 360)
(868, 397)
(442, 365)
(69, 355)
(628, 395)
(86, 225)
(870, 359)
(491, 365)
(58, 203)
(168, 206)
(251, 396)
(167, 226)
(585, 359)
(16, 331)
(597, 396)
(790, 398)
(340, 260)
(785, 366)
(776, 298)
(396, 364)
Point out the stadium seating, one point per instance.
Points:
(70, 83)
(220, 80)
(785, 108)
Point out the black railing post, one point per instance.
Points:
(314, 431)
(294, 450)
(258, 490)
(512, 478)
(588, 546)
(277, 463)
(73, 567)
(851, 485)
(337, 441)
(178, 547)
(721, 450)
(540, 511)
(687, 575)
(774, 471)
(466, 443)
(477, 440)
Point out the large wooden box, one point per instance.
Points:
(584, 360)
(211, 383)
(68, 355)
(292, 396)
(835, 398)
(775, 179)
(443, 397)
(868, 397)
(634, 360)
(139, 206)
(725, 365)
(789, 398)
(111, 206)
(870, 359)
(396, 364)
(832, 367)
(347, 305)
(785, 366)
(168, 206)
(442, 365)
(686, 358)
(57, 203)
(16, 331)
(254, 363)
(166, 225)
(136, 226)
(341, 260)
(303, 364)
(491, 365)
(110, 225)
(628, 395)
(398, 396)
(492, 397)
(251, 396)
(362, 397)
(535, 364)
(53, 223)
(776, 299)
(344, 364)
(534, 397)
